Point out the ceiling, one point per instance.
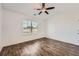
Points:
(29, 8)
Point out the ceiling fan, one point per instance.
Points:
(44, 9)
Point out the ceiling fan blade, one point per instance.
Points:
(40, 12)
(43, 5)
(50, 8)
(46, 12)
(38, 9)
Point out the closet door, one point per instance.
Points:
(76, 31)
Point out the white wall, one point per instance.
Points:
(0, 27)
(12, 31)
(64, 26)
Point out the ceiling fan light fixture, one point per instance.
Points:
(44, 10)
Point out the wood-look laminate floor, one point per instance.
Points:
(41, 47)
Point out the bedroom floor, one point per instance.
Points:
(41, 47)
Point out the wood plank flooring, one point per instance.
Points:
(41, 47)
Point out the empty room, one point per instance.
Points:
(39, 29)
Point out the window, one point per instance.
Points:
(29, 26)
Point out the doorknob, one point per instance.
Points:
(77, 33)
